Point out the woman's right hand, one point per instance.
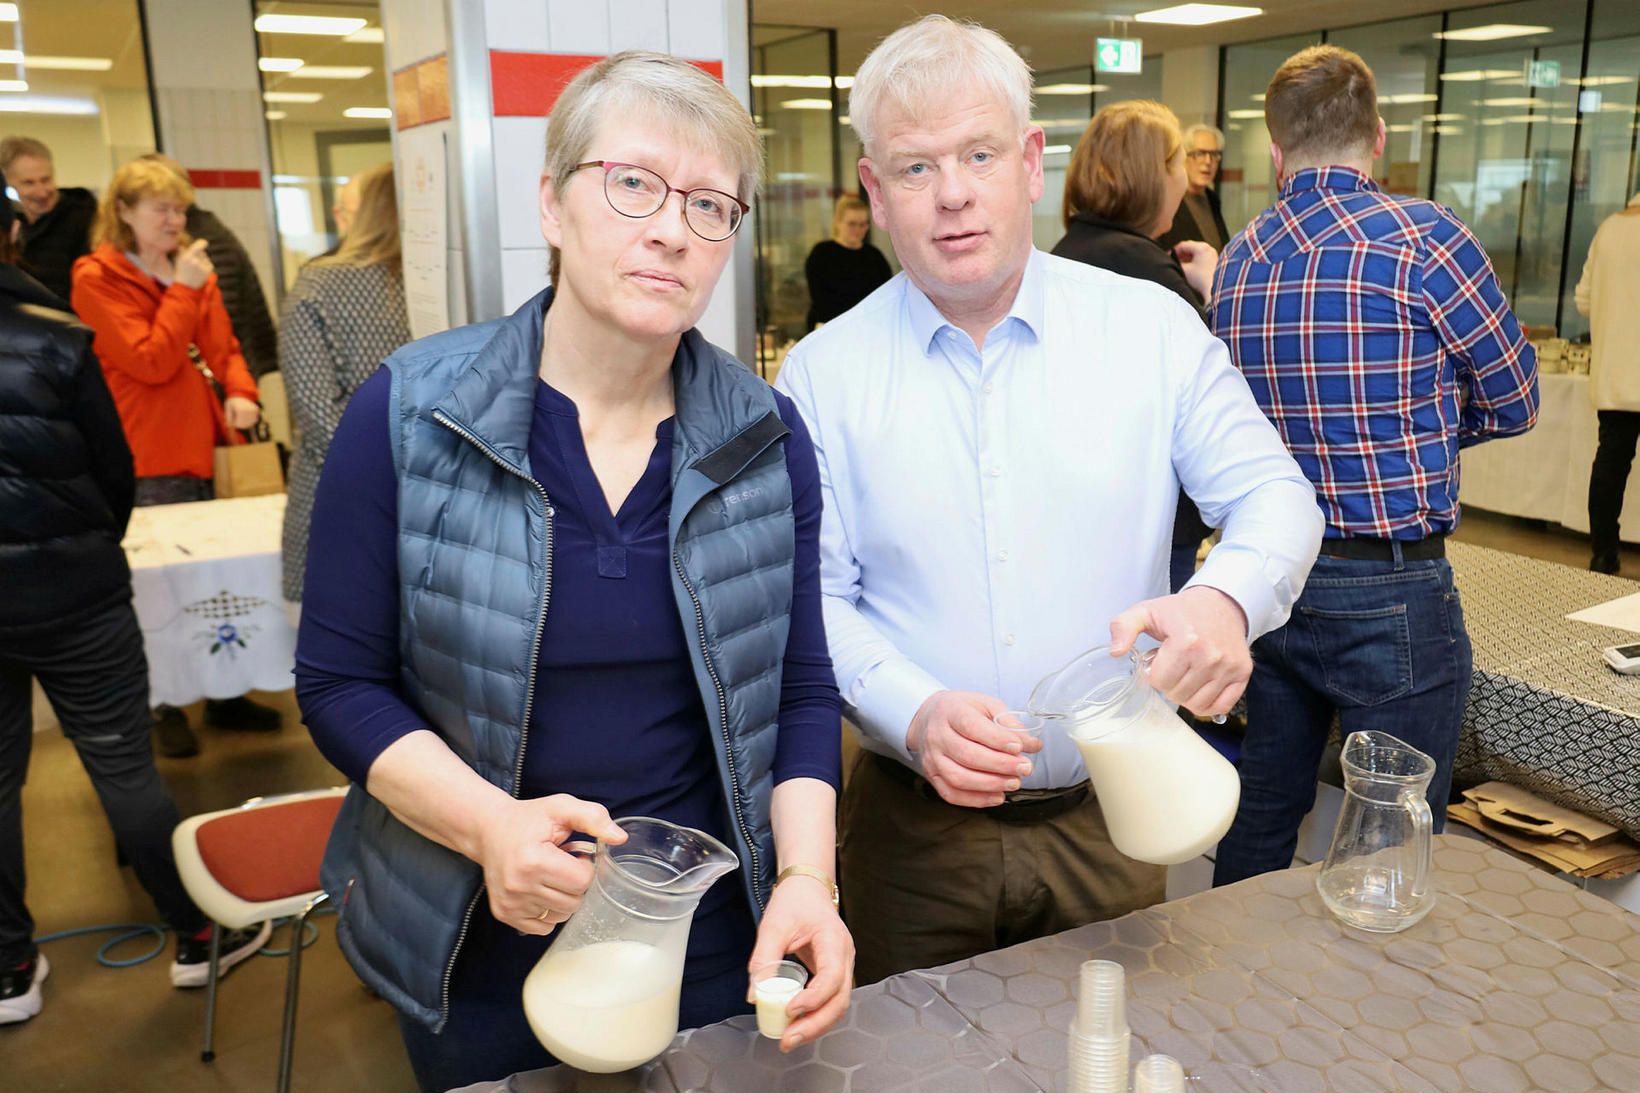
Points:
(534, 884)
(193, 265)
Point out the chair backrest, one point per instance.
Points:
(269, 851)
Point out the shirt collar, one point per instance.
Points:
(1028, 306)
(1345, 179)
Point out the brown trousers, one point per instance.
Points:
(926, 883)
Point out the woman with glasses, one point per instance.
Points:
(564, 567)
(1200, 216)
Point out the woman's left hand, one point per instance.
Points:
(800, 919)
(241, 413)
(1199, 261)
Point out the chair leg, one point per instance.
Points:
(287, 1041)
(209, 1051)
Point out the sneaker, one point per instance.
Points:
(20, 989)
(172, 735)
(241, 713)
(192, 967)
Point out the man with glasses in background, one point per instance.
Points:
(1200, 216)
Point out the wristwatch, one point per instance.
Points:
(810, 871)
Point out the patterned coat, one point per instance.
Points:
(338, 324)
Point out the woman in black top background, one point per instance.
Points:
(844, 269)
(1124, 185)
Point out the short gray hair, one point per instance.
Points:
(1190, 132)
(927, 62)
(660, 89)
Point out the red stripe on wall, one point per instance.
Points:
(525, 85)
(212, 178)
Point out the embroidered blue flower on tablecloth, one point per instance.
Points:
(227, 636)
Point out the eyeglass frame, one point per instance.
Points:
(1197, 153)
(606, 164)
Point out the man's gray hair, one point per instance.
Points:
(640, 86)
(1191, 131)
(930, 62)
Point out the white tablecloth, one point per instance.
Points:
(1544, 475)
(206, 579)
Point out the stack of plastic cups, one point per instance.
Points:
(1099, 1033)
(1158, 1074)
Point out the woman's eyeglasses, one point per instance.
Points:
(639, 192)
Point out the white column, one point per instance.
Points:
(1190, 84)
(209, 98)
(505, 58)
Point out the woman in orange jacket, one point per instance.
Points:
(151, 298)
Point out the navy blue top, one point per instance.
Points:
(618, 716)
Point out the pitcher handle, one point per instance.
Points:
(1423, 831)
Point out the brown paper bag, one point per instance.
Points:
(248, 470)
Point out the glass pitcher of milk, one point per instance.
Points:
(604, 998)
(1166, 795)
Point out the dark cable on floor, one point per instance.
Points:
(131, 931)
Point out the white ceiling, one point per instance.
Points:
(1059, 33)
(111, 29)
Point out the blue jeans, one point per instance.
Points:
(1382, 645)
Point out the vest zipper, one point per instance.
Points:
(723, 712)
(529, 686)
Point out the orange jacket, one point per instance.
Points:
(172, 417)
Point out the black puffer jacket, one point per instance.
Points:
(66, 481)
(53, 243)
(241, 290)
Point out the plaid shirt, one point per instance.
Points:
(1374, 334)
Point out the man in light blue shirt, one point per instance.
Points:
(1002, 435)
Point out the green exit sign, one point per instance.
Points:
(1121, 55)
(1542, 73)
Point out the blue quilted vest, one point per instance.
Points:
(475, 571)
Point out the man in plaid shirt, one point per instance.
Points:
(1373, 333)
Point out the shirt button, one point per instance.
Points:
(1002, 555)
(951, 335)
(1007, 639)
(996, 472)
(990, 388)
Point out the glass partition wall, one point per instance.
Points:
(798, 102)
(1521, 117)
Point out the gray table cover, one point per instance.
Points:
(1515, 982)
(1545, 713)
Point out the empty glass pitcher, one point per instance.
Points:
(1377, 873)
(1166, 795)
(604, 998)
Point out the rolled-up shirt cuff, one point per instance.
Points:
(1238, 574)
(885, 699)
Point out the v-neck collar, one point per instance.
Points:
(611, 531)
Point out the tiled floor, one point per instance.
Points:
(129, 1030)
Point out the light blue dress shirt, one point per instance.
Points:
(989, 512)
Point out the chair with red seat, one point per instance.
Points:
(253, 863)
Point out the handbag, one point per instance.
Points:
(247, 462)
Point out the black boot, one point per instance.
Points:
(1604, 561)
(241, 713)
(172, 734)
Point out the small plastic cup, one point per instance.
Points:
(1025, 724)
(773, 988)
(1158, 1074)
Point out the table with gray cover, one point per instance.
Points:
(1545, 713)
(1516, 981)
